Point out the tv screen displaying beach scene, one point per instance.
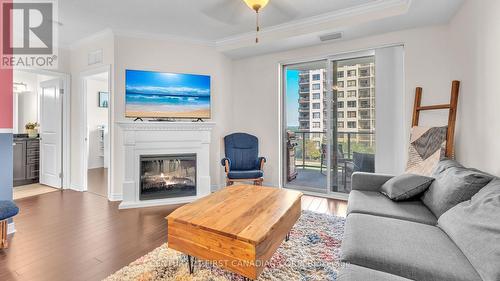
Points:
(151, 94)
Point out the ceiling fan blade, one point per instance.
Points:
(226, 11)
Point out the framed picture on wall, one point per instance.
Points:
(103, 99)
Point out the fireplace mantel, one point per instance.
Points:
(153, 138)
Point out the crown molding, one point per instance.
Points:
(163, 37)
(90, 38)
(375, 6)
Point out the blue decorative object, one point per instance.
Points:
(7, 210)
(242, 160)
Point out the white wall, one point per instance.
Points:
(179, 57)
(255, 85)
(475, 45)
(96, 116)
(78, 65)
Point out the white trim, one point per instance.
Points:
(11, 228)
(82, 80)
(164, 37)
(6, 131)
(66, 122)
(90, 38)
(152, 203)
(76, 187)
(115, 197)
(320, 19)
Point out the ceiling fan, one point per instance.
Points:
(231, 11)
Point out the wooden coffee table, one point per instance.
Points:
(239, 227)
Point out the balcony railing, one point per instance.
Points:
(311, 147)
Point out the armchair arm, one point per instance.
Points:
(368, 181)
(226, 162)
(260, 163)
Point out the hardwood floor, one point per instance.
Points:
(97, 181)
(24, 191)
(71, 235)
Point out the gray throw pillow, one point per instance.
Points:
(405, 186)
(474, 226)
(453, 184)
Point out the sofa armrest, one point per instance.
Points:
(368, 181)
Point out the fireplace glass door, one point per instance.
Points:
(167, 176)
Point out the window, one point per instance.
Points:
(316, 86)
(316, 96)
(340, 114)
(340, 124)
(316, 124)
(351, 114)
(316, 77)
(364, 83)
(351, 124)
(340, 84)
(351, 94)
(351, 73)
(364, 104)
(364, 93)
(340, 74)
(351, 83)
(351, 103)
(316, 135)
(340, 94)
(316, 115)
(340, 104)
(316, 105)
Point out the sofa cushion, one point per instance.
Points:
(351, 272)
(474, 226)
(375, 203)
(251, 174)
(453, 184)
(405, 186)
(411, 250)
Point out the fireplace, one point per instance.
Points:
(167, 176)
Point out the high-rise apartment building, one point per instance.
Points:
(355, 107)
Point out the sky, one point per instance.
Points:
(159, 83)
(292, 97)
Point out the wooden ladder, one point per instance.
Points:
(452, 116)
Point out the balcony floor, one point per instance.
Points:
(312, 179)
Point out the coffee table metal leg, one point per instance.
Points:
(287, 237)
(191, 261)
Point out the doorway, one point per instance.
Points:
(329, 122)
(39, 153)
(97, 119)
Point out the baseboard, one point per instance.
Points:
(11, 228)
(115, 197)
(76, 187)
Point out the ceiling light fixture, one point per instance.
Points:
(256, 5)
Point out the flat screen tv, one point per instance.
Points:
(151, 94)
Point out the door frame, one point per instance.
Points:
(66, 120)
(329, 58)
(83, 129)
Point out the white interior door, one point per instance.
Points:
(51, 132)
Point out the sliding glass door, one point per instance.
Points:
(329, 123)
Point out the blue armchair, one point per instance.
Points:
(242, 162)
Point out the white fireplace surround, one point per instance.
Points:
(154, 138)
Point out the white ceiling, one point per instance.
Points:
(231, 24)
(186, 18)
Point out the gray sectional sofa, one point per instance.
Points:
(388, 240)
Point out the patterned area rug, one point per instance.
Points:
(312, 253)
